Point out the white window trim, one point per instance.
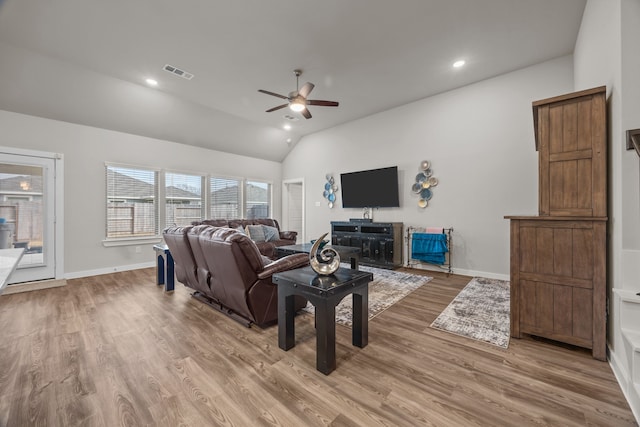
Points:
(132, 241)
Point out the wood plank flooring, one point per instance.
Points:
(115, 350)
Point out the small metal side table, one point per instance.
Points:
(164, 267)
(324, 292)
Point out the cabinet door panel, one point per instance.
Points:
(562, 258)
(585, 187)
(343, 240)
(386, 248)
(544, 296)
(582, 243)
(556, 191)
(562, 310)
(568, 185)
(569, 127)
(582, 311)
(374, 248)
(555, 131)
(528, 249)
(544, 250)
(572, 160)
(528, 303)
(584, 124)
(355, 242)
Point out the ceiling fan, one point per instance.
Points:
(298, 99)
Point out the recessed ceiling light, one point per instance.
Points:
(288, 140)
(151, 82)
(458, 63)
(287, 126)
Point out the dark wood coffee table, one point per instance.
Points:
(344, 251)
(324, 292)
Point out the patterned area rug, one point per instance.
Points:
(387, 288)
(480, 311)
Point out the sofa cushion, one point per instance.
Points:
(256, 233)
(270, 233)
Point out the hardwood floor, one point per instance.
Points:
(115, 350)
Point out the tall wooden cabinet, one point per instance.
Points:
(558, 258)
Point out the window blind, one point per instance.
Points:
(226, 198)
(184, 201)
(132, 202)
(258, 199)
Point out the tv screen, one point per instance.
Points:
(375, 188)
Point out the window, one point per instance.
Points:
(258, 199)
(132, 202)
(184, 200)
(142, 202)
(226, 198)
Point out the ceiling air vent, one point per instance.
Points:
(290, 117)
(178, 72)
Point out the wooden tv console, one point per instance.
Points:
(380, 242)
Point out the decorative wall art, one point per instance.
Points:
(330, 189)
(425, 181)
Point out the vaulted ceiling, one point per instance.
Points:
(86, 61)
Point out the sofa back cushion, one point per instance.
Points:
(255, 232)
(202, 269)
(185, 263)
(267, 221)
(215, 222)
(234, 262)
(270, 233)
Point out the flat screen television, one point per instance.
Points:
(375, 188)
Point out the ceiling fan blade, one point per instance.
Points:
(306, 89)
(273, 94)
(276, 108)
(322, 103)
(306, 113)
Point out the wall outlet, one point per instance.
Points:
(138, 250)
(318, 204)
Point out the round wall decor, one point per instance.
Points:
(423, 186)
(330, 189)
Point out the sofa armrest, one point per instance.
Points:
(288, 235)
(283, 264)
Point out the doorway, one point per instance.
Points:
(293, 207)
(30, 197)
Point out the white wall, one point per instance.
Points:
(606, 53)
(630, 119)
(45, 86)
(480, 141)
(85, 151)
(597, 61)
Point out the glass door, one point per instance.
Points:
(27, 215)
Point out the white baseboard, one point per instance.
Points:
(107, 270)
(624, 380)
(33, 286)
(472, 273)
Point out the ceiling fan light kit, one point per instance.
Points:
(297, 105)
(298, 99)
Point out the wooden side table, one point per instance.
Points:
(164, 267)
(324, 292)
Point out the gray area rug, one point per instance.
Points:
(387, 288)
(480, 311)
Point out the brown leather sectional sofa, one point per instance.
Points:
(267, 248)
(228, 272)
